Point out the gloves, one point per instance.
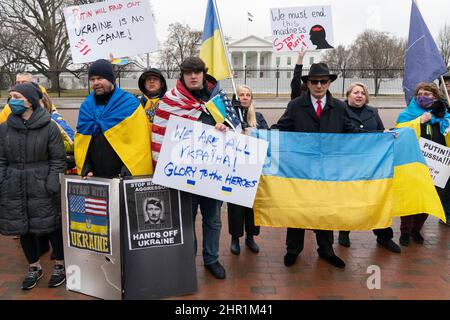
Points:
(438, 109)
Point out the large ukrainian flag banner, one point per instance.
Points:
(212, 49)
(125, 126)
(343, 181)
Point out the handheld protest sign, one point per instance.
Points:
(121, 26)
(199, 159)
(309, 27)
(158, 241)
(91, 236)
(437, 157)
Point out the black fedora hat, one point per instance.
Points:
(319, 70)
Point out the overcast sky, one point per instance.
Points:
(350, 17)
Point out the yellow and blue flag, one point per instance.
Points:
(212, 49)
(123, 123)
(343, 181)
(217, 109)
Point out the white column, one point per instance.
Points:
(244, 59)
(258, 63)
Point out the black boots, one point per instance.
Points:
(251, 244)
(235, 248)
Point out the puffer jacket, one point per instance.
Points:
(32, 156)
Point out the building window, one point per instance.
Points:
(278, 61)
(289, 61)
(288, 74)
(261, 61)
(261, 74)
(235, 61)
(311, 60)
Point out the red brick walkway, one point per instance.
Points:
(419, 272)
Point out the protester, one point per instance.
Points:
(31, 158)
(21, 78)
(366, 117)
(315, 111)
(239, 216)
(113, 137)
(428, 116)
(296, 84)
(153, 87)
(194, 88)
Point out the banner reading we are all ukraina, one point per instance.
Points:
(343, 181)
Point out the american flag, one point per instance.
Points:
(232, 117)
(88, 205)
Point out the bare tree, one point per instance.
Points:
(182, 42)
(378, 55)
(443, 42)
(40, 29)
(338, 59)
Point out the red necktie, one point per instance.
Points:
(319, 108)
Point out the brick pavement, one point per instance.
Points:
(419, 272)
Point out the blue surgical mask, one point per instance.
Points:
(424, 101)
(17, 106)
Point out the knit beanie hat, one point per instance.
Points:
(102, 68)
(29, 91)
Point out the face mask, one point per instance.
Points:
(424, 101)
(17, 106)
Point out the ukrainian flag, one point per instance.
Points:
(217, 109)
(89, 224)
(343, 181)
(125, 126)
(212, 49)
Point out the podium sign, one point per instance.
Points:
(91, 235)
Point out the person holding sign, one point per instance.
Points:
(113, 137)
(366, 117)
(315, 111)
(193, 90)
(31, 158)
(239, 216)
(429, 118)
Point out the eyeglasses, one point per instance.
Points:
(322, 82)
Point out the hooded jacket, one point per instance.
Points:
(31, 158)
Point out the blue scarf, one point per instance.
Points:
(414, 111)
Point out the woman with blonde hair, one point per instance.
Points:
(239, 216)
(367, 118)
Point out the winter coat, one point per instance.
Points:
(300, 116)
(369, 119)
(32, 156)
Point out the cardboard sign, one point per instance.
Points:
(121, 27)
(309, 27)
(437, 157)
(88, 218)
(199, 159)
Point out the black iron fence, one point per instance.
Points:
(270, 82)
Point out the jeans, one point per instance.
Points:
(211, 225)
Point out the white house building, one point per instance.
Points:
(256, 55)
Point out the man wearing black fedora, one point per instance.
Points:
(315, 111)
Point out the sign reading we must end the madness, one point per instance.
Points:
(309, 27)
(121, 27)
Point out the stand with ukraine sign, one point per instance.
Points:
(115, 230)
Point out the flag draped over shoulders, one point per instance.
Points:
(124, 124)
(342, 181)
(178, 101)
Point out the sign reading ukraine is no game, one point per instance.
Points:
(308, 27)
(119, 27)
(199, 159)
(88, 219)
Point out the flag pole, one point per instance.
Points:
(225, 48)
